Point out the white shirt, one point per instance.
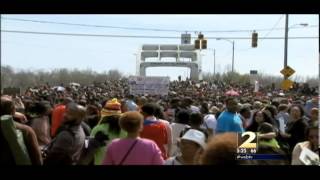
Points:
(297, 151)
(209, 121)
(177, 128)
(194, 109)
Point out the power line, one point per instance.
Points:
(138, 36)
(274, 26)
(144, 29)
(97, 26)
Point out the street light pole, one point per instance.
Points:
(286, 43)
(214, 61)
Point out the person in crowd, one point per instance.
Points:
(58, 114)
(245, 114)
(182, 121)
(258, 118)
(93, 116)
(141, 101)
(19, 143)
(275, 104)
(133, 150)
(124, 106)
(172, 110)
(194, 97)
(283, 114)
(312, 103)
(195, 122)
(154, 129)
(221, 107)
(67, 146)
(20, 117)
(18, 104)
(82, 102)
(109, 126)
(187, 103)
(160, 117)
(296, 128)
(130, 104)
(158, 112)
(214, 110)
(209, 120)
(257, 106)
(229, 120)
(191, 145)
(314, 115)
(221, 150)
(268, 145)
(312, 143)
(266, 128)
(41, 125)
(272, 112)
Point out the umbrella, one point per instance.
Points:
(232, 93)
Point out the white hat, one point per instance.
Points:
(195, 136)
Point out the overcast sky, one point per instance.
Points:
(46, 52)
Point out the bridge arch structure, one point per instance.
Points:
(184, 55)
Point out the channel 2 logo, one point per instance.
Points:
(247, 143)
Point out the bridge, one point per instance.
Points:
(178, 52)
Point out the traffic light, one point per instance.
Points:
(204, 44)
(200, 36)
(197, 44)
(254, 39)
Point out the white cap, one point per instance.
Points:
(195, 136)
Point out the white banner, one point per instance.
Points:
(151, 85)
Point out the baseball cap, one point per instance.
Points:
(195, 136)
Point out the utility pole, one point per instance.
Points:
(286, 44)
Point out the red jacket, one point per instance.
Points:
(57, 117)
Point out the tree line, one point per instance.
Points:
(27, 78)
(11, 77)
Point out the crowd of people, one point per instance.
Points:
(197, 123)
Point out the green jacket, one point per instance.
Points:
(271, 143)
(104, 127)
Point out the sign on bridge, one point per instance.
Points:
(152, 85)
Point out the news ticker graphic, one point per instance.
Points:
(260, 157)
(247, 148)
